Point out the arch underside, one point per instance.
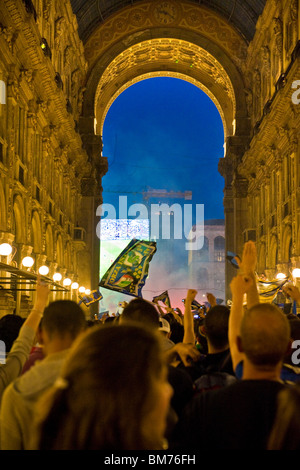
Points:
(199, 47)
(166, 58)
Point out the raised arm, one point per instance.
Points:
(211, 300)
(292, 291)
(188, 319)
(247, 267)
(41, 299)
(22, 345)
(239, 286)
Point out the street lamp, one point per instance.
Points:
(28, 261)
(44, 270)
(67, 281)
(57, 277)
(296, 273)
(280, 276)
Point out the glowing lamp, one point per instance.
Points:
(81, 289)
(75, 285)
(44, 270)
(87, 291)
(280, 276)
(5, 249)
(296, 272)
(67, 282)
(57, 277)
(28, 261)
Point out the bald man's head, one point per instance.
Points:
(265, 335)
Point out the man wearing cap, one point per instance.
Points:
(164, 327)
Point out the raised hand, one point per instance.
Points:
(240, 285)
(42, 294)
(292, 291)
(249, 258)
(211, 299)
(191, 294)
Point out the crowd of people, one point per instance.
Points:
(154, 378)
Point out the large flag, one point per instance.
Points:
(164, 298)
(94, 296)
(129, 271)
(195, 304)
(268, 290)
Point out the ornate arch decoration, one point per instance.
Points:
(36, 232)
(3, 208)
(197, 45)
(19, 217)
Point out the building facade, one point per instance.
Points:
(207, 265)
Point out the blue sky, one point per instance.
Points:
(162, 133)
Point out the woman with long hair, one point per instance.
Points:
(113, 394)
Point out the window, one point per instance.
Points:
(219, 249)
(21, 175)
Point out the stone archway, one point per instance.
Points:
(49, 248)
(287, 244)
(197, 45)
(3, 208)
(36, 234)
(19, 217)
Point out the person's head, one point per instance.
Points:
(215, 327)
(285, 434)
(62, 321)
(264, 335)
(164, 327)
(10, 326)
(141, 311)
(115, 394)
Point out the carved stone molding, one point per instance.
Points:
(145, 15)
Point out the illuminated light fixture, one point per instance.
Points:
(5, 249)
(67, 281)
(45, 48)
(81, 289)
(75, 285)
(296, 272)
(44, 270)
(28, 261)
(280, 276)
(57, 277)
(87, 291)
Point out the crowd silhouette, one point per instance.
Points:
(154, 378)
